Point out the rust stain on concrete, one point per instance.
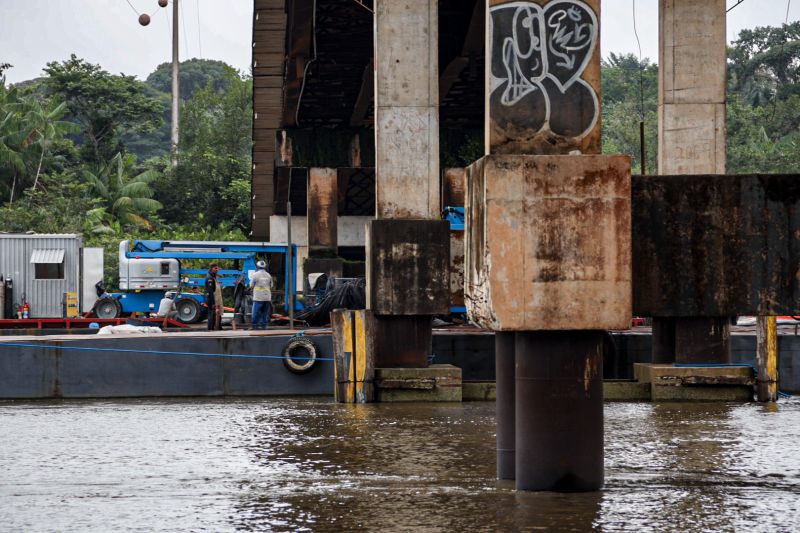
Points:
(549, 244)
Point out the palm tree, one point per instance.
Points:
(12, 137)
(127, 199)
(28, 129)
(46, 126)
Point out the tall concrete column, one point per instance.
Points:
(548, 252)
(691, 124)
(407, 109)
(408, 246)
(323, 211)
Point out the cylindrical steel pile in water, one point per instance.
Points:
(559, 410)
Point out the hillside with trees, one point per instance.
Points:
(83, 150)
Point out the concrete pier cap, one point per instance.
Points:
(549, 245)
(548, 240)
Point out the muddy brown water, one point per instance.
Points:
(311, 465)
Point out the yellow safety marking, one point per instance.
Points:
(772, 356)
(361, 350)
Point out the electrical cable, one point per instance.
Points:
(783, 46)
(134, 9)
(169, 25)
(734, 5)
(642, 151)
(641, 74)
(199, 40)
(305, 70)
(185, 37)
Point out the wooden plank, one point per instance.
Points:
(264, 135)
(260, 48)
(261, 157)
(267, 82)
(272, 94)
(264, 59)
(267, 70)
(269, 4)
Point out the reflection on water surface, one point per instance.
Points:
(312, 465)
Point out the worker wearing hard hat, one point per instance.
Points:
(261, 283)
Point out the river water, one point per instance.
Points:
(312, 465)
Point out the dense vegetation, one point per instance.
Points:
(763, 122)
(86, 151)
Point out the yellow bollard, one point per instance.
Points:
(354, 366)
(767, 359)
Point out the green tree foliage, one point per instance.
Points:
(214, 158)
(31, 130)
(102, 104)
(58, 209)
(125, 197)
(764, 100)
(630, 96)
(194, 75)
(764, 63)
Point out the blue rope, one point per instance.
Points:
(157, 352)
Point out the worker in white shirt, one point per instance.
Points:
(261, 283)
(167, 309)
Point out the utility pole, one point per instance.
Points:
(175, 84)
(144, 20)
(289, 254)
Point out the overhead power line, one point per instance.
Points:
(134, 9)
(734, 5)
(199, 40)
(185, 35)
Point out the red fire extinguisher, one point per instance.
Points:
(26, 310)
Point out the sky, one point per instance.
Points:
(107, 32)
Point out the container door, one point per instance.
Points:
(91, 273)
(49, 282)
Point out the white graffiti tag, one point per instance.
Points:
(538, 57)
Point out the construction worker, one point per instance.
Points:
(167, 309)
(261, 283)
(214, 298)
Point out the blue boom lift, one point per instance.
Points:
(149, 269)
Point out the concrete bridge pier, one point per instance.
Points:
(691, 123)
(548, 250)
(408, 245)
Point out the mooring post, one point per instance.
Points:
(548, 238)
(767, 359)
(691, 124)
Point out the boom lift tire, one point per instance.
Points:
(107, 308)
(188, 310)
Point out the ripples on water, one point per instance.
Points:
(311, 465)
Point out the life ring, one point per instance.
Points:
(300, 355)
